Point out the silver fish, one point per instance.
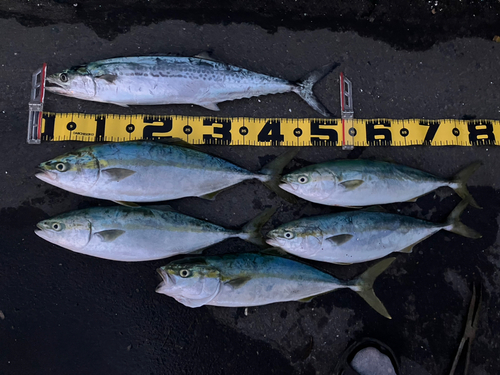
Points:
(151, 172)
(140, 234)
(153, 80)
(354, 183)
(360, 236)
(257, 279)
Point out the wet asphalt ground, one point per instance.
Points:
(63, 312)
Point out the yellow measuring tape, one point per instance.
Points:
(269, 131)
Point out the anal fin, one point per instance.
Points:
(307, 299)
(210, 106)
(127, 204)
(407, 249)
(211, 196)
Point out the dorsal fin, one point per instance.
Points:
(205, 55)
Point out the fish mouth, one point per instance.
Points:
(54, 86)
(273, 242)
(42, 234)
(166, 279)
(166, 284)
(160, 287)
(46, 176)
(288, 187)
(56, 89)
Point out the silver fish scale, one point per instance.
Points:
(182, 80)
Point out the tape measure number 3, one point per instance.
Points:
(346, 131)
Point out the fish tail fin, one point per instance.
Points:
(456, 226)
(272, 173)
(363, 285)
(304, 88)
(461, 178)
(251, 231)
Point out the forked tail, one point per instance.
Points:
(456, 226)
(251, 231)
(460, 179)
(363, 285)
(304, 88)
(271, 173)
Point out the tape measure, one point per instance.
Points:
(345, 131)
(268, 131)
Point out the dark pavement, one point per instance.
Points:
(64, 312)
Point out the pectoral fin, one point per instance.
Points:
(210, 106)
(240, 281)
(108, 77)
(109, 235)
(116, 174)
(351, 184)
(340, 239)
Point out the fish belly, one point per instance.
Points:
(164, 183)
(144, 245)
(184, 85)
(370, 245)
(149, 172)
(373, 192)
(263, 291)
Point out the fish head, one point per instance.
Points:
(296, 238)
(71, 231)
(191, 281)
(311, 183)
(76, 171)
(76, 82)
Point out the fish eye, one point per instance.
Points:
(56, 226)
(184, 273)
(303, 179)
(288, 235)
(61, 167)
(63, 77)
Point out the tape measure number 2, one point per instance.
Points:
(346, 131)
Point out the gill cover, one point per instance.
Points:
(191, 286)
(298, 240)
(70, 231)
(76, 171)
(75, 82)
(310, 183)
